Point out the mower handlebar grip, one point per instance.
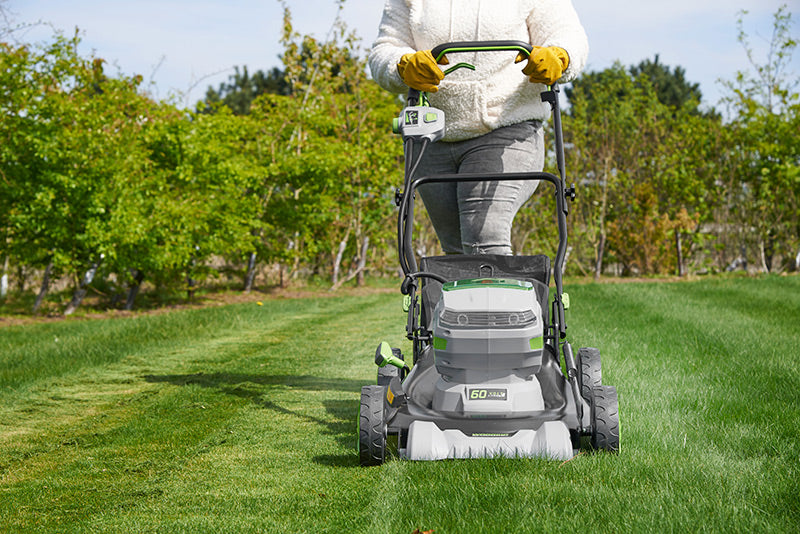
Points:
(480, 46)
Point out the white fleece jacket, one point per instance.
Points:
(497, 93)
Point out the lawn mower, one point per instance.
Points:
(487, 378)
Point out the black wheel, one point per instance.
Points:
(590, 371)
(605, 419)
(371, 426)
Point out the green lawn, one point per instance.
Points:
(243, 419)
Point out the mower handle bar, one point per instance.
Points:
(406, 216)
(454, 47)
(480, 46)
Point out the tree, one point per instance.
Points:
(66, 130)
(671, 87)
(331, 155)
(241, 89)
(641, 197)
(766, 105)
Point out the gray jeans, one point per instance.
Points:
(476, 217)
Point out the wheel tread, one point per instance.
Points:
(371, 426)
(605, 419)
(590, 370)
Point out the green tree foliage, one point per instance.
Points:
(241, 89)
(296, 168)
(644, 192)
(671, 87)
(68, 133)
(766, 104)
(332, 155)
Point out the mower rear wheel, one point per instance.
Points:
(590, 371)
(371, 426)
(605, 419)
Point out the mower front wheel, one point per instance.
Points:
(605, 419)
(371, 426)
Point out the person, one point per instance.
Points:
(493, 114)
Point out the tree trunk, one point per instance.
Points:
(44, 288)
(769, 252)
(362, 262)
(251, 273)
(4, 280)
(601, 245)
(766, 257)
(191, 283)
(337, 262)
(80, 293)
(21, 279)
(138, 278)
(600, 251)
(679, 251)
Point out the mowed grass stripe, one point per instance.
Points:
(206, 385)
(283, 459)
(720, 378)
(696, 456)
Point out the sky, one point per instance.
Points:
(181, 47)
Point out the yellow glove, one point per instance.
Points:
(420, 71)
(545, 64)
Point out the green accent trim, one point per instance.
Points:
(383, 354)
(406, 303)
(482, 49)
(537, 343)
(459, 66)
(439, 343)
(384, 357)
(565, 300)
(494, 283)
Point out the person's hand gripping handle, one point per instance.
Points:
(419, 70)
(546, 64)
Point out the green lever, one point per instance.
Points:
(384, 357)
(459, 66)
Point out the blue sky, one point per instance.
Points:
(183, 46)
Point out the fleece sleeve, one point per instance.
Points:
(393, 41)
(555, 23)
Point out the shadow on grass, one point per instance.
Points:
(342, 421)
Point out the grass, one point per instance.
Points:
(242, 419)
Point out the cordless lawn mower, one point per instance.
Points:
(487, 377)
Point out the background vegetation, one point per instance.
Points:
(291, 173)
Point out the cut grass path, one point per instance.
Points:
(242, 419)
